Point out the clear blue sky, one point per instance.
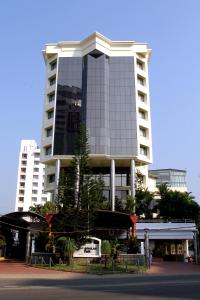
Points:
(170, 27)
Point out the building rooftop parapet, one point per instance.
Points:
(96, 40)
(167, 169)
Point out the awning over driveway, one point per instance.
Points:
(166, 230)
(23, 220)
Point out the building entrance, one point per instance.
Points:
(169, 250)
(16, 227)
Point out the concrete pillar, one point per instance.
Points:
(146, 247)
(57, 173)
(133, 180)
(28, 245)
(142, 248)
(186, 250)
(33, 245)
(112, 176)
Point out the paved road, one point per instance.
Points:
(20, 282)
(102, 287)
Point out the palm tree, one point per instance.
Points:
(68, 247)
(51, 245)
(163, 189)
(130, 204)
(177, 205)
(145, 203)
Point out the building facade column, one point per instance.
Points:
(133, 181)
(28, 245)
(33, 245)
(186, 250)
(57, 177)
(142, 248)
(132, 178)
(112, 181)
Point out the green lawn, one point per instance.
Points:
(94, 268)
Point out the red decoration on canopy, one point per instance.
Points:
(48, 218)
(134, 219)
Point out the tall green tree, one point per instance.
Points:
(80, 193)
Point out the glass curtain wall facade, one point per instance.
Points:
(122, 181)
(172, 177)
(99, 91)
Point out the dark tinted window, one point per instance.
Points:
(68, 104)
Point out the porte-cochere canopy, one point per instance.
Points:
(24, 220)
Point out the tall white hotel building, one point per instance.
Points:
(30, 179)
(104, 84)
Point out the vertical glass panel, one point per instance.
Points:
(118, 181)
(106, 194)
(68, 104)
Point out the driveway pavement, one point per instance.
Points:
(160, 267)
(14, 269)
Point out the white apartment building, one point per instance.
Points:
(30, 179)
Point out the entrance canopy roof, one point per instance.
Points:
(23, 220)
(166, 230)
